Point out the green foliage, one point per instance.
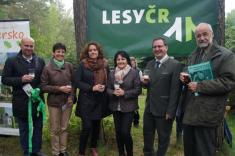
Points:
(7, 2)
(1, 14)
(230, 31)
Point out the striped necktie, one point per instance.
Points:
(157, 64)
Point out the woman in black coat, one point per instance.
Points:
(123, 89)
(91, 79)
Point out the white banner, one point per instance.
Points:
(11, 32)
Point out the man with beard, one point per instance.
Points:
(204, 111)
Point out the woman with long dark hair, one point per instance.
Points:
(91, 79)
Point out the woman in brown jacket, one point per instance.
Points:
(56, 80)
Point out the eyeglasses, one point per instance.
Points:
(29, 46)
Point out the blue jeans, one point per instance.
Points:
(37, 134)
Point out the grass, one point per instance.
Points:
(9, 145)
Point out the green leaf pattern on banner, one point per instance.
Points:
(18, 43)
(7, 44)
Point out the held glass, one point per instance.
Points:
(31, 72)
(146, 73)
(116, 85)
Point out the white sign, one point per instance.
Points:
(11, 32)
(8, 124)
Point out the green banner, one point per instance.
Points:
(131, 25)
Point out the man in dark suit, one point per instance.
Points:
(25, 68)
(163, 88)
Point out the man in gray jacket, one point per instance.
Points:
(206, 99)
(163, 88)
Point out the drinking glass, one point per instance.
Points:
(116, 85)
(31, 72)
(146, 73)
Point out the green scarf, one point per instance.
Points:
(59, 64)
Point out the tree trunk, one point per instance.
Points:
(79, 7)
(220, 32)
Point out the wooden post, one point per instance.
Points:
(220, 32)
(79, 7)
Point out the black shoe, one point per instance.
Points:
(136, 123)
(38, 154)
(64, 154)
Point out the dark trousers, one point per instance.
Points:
(199, 141)
(89, 127)
(37, 134)
(123, 124)
(163, 127)
(179, 127)
(136, 118)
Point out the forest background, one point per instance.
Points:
(50, 22)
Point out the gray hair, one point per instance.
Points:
(205, 24)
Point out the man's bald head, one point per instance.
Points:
(27, 46)
(25, 39)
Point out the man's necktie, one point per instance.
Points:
(157, 64)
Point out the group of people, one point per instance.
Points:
(103, 91)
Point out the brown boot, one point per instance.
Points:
(94, 152)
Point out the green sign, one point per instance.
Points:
(131, 25)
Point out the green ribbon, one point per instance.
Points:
(35, 97)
